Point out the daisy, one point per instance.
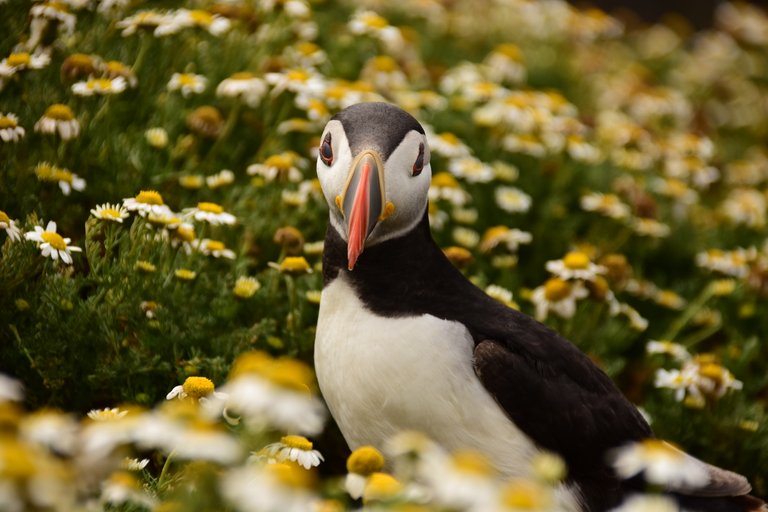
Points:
(575, 265)
(644, 226)
(501, 294)
(211, 213)
(156, 137)
(246, 287)
(132, 464)
(220, 179)
(20, 61)
(185, 274)
(294, 448)
(606, 204)
(306, 54)
(512, 199)
(445, 187)
(51, 243)
(187, 83)
(10, 227)
(361, 464)
(736, 263)
(466, 237)
(297, 80)
(196, 388)
(647, 503)
(66, 179)
(115, 69)
(183, 18)
(206, 121)
(448, 145)
(59, 119)
(213, 248)
(110, 212)
(244, 86)
(746, 206)
(292, 265)
(471, 169)
(676, 350)
(582, 151)
(510, 237)
(660, 463)
(146, 202)
(49, 13)
(192, 181)
(558, 296)
(99, 86)
(283, 166)
(384, 73)
(268, 487)
(124, 488)
(106, 414)
(370, 23)
(157, 22)
(505, 64)
(51, 429)
(10, 131)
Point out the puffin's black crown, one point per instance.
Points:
(379, 126)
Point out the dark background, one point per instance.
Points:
(699, 13)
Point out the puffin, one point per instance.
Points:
(405, 341)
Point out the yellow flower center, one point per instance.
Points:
(4, 218)
(556, 289)
(62, 175)
(54, 240)
(59, 112)
(124, 479)
(375, 21)
(380, 486)
(19, 59)
(198, 387)
(249, 362)
(444, 180)
(215, 245)
(282, 161)
(525, 495)
(185, 274)
(15, 460)
(290, 474)
(472, 463)
(294, 265)
(658, 449)
(576, 260)
(110, 213)
(191, 181)
(187, 234)
(385, 63)
(209, 207)
(102, 84)
(289, 373)
(149, 197)
(510, 51)
(297, 75)
(145, 266)
(365, 460)
(300, 442)
(115, 67)
(712, 371)
(202, 18)
(80, 60)
(7, 122)
(495, 233)
(246, 287)
(187, 79)
(163, 220)
(307, 48)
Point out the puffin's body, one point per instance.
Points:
(405, 342)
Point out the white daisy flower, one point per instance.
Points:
(676, 350)
(268, 487)
(51, 243)
(59, 119)
(283, 167)
(647, 503)
(146, 202)
(245, 86)
(197, 388)
(110, 212)
(558, 296)
(106, 414)
(214, 248)
(132, 464)
(361, 464)
(156, 137)
(100, 86)
(211, 213)
(512, 199)
(511, 238)
(10, 227)
(575, 265)
(10, 131)
(220, 179)
(187, 83)
(294, 448)
(471, 169)
(661, 464)
(50, 429)
(298, 80)
(448, 145)
(20, 61)
(445, 187)
(183, 18)
(606, 204)
(66, 179)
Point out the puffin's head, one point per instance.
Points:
(373, 166)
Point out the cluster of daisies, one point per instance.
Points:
(230, 438)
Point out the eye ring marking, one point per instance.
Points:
(418, 165)
(326, 150)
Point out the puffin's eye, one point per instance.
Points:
(326, 150)
(418, 165)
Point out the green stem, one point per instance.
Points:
(693, 308)
(164, 471)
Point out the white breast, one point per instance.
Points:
(383, 375)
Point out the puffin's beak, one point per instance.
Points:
(362, 202)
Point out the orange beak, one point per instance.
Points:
(362, 202)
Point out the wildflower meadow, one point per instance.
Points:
(161, 233)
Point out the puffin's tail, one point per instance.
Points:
(744, 503)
